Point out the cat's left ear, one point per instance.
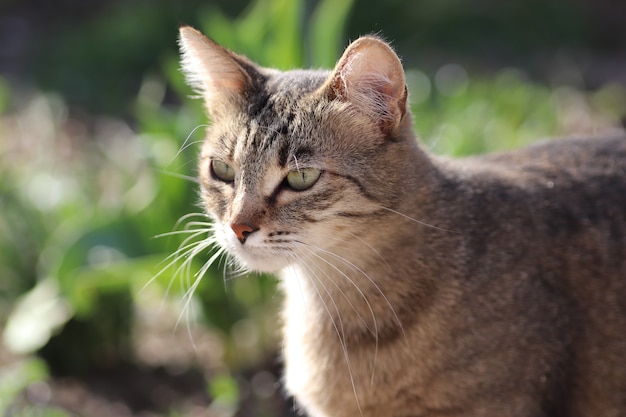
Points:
(370, 76)
(221, 76)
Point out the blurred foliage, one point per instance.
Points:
(458, 114)
(460, 25)
(88, 202)
(97, 52)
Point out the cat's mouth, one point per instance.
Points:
(259, 252)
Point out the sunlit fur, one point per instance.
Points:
(414, 285)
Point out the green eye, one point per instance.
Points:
(302, 179)
(222, 171)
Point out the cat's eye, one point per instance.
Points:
(222, 171)
(303, 179)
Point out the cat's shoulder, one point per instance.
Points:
(571, 163)
(562, 152)
(575, 157)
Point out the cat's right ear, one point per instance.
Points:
(219, 75)
(369, 75)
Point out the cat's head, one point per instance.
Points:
(298, 163)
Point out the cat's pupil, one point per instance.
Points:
(301, 180)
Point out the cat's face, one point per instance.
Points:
(292, 168)
(281, 186)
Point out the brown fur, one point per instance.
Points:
(416, 285)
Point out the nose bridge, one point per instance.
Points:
(246, 212)
(243, 205)
(246, 204)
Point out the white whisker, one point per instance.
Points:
(370, 247)
(185, 251)
(372, 282)
(190, 216)
(374, 331)
(186, 143)
(179, 176)
(417, 221)
(181, 232)
(197, 230)
(187, 297)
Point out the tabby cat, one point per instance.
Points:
(415, 285)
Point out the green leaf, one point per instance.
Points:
(224, 390)
(36, 317)
(327, 28)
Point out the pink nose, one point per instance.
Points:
(242, 231)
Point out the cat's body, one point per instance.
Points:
(524, 314)
(415, 285)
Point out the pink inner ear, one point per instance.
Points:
(370, 76)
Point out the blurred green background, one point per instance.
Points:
(98, 142)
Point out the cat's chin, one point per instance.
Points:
(260, 263)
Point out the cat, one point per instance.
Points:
(415, 284)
